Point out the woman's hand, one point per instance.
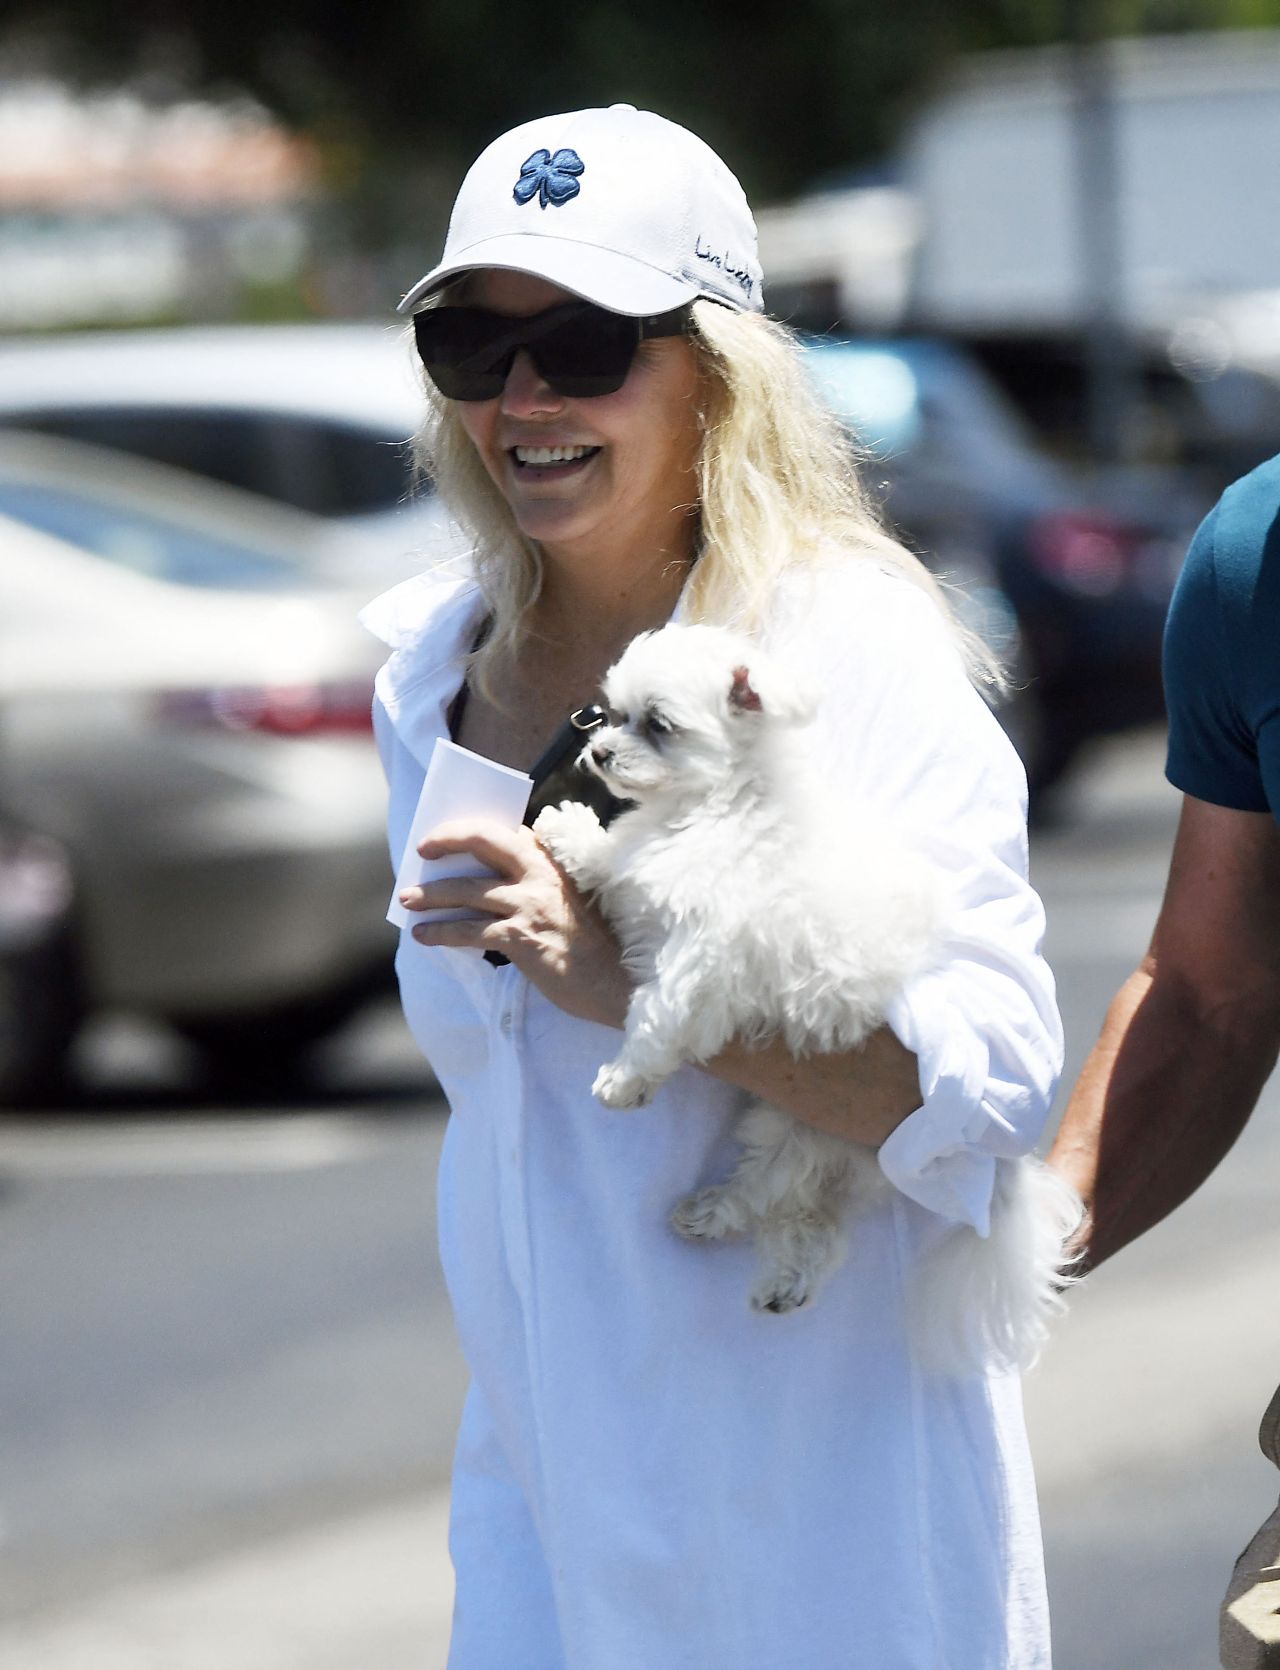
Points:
(532, 913)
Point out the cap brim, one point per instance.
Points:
(618, 282)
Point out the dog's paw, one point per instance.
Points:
(706, 1215)
(780, 1291)
(567, 829)
(618, 1087)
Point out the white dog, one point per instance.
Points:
(745, 914)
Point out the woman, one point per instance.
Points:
(648, 1473)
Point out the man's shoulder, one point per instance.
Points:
(1260, 485)
(1220, 586)
(1219, 666)
(1243, 530)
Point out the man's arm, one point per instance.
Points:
(1190, 1038)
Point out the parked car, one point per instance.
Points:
(316, 417)
(1070, 580)
(1197, 400)
(186, 714)
(1087, 566)
(40, 998)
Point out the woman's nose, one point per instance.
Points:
(526, 391)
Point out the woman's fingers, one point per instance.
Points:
(527, 910)
(505, 851)
(489, 894)
(457, 934)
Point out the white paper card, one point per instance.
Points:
(462, 786)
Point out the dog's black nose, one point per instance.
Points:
(601, 753)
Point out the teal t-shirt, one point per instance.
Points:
(1222, 652)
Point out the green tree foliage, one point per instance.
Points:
(413, 88)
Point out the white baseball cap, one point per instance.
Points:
(617, 205)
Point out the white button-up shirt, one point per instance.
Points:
(650, 1475)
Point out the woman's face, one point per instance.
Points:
(631, 483)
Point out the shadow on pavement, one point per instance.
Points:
(125, 1068)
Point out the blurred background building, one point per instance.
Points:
(113, 210)
(993, 163)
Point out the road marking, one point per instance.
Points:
(372, 1590)
(164, 1147)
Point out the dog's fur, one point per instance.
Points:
(745, 913)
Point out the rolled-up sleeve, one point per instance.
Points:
(902, 729)
(984, 1028)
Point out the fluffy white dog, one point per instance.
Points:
(745, 913)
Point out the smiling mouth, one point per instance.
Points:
(551, 457)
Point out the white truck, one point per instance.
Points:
(994, 163)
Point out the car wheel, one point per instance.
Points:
(41, 985)
(1047, 738)
(1060, 742)
(1022, 716)
(41, 1012)
(269, 1047)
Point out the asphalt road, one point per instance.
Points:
(228, 1378)
(1144, 1413)
(218, 1324)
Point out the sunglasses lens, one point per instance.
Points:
(580, 349)
(587, 355)
(464, 356)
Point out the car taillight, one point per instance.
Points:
(1091, 554)
(279, 709)
(35, 887)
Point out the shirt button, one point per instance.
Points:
(506, 1022)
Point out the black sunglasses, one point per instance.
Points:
(580, 349)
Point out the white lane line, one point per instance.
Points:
(144, 1148)
(371, 1591)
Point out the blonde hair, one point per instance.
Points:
(778, 488)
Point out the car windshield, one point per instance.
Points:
(872, 390)
(319, 465)
(899, 395)
(148, 541)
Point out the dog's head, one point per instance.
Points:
(689, 708)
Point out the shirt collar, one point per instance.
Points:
(429, 624)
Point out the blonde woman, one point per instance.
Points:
(649, 1474)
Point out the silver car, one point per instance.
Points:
(184, 710)
(314, 416)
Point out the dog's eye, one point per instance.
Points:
(656, 723)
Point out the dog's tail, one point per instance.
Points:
(989, 1302)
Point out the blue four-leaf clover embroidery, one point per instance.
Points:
(551, 179)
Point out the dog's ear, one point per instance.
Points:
(762, 688)
(743, 696)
